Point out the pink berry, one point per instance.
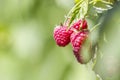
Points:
(80, 24)
(61, 35)
(77, 41)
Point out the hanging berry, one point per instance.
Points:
(61, 36)
(78, 41)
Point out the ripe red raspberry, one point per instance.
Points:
(80, 24)
(77, 40)
(61, 35)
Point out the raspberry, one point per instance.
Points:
(77, 25)
(84, 26)
(77, 40)
(61, 35)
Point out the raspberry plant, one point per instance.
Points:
(75, 29)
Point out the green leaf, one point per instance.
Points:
(73, 13)
(76, 1)
(78, 11)
(102, 5)
(83, 9)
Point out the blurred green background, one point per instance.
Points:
(28, 50)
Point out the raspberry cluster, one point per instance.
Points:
(76, 34)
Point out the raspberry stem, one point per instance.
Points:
(94, 27)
